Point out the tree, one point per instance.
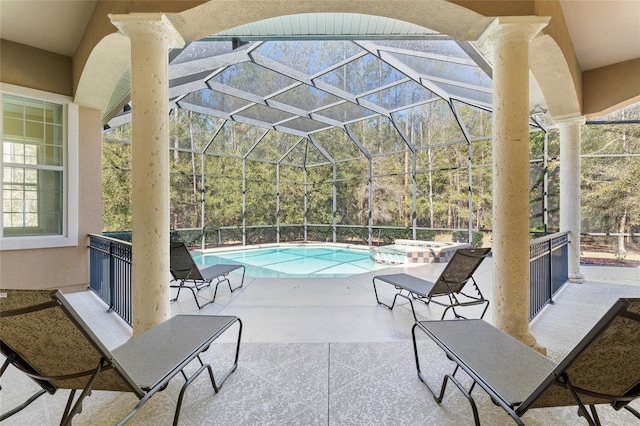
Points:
(116, 181)
(611, 176)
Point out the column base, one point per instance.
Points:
(576, 278)
(530, 341)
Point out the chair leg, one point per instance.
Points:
(413, 310)
(67, 408)
(408, 297)
(20, 407)
(438, 396)
(203, 367)
(594, 414)
(375, 291)
(203, 285)
(176, 416)
(69, 411)
(632, 411)
(582, 410)
(225, 278)
(193, 291)
(242, 280)
(395, 297)
(179, 287)
(485, 309)
(220, 280)
(195, 297)
(472, 402)
(216, 386)
(458, 316)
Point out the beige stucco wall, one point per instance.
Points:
(38, 69)
(609, 88)
(65, 268)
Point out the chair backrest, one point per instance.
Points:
(603, 367)
(46, 334)
(182, 265)
(459, 270)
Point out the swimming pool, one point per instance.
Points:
(295, 261)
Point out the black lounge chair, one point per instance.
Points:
(446, 290)
(44, 337)
(189, 275)
(604, 368)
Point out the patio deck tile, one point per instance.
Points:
(318, 352)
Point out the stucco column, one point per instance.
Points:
(151, 37)
(570, 191)
(509, 38)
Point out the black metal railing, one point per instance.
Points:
(351, 234)
(548, 269)
(110, 273)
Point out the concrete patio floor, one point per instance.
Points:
(322, 352)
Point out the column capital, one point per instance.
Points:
(143, 24)
(504, 28)
(571, 121)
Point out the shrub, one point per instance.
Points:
(463, 237)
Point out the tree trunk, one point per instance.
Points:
(430, 165)
(406, 181)
(621, 252)
(176, 138)
(196, 200)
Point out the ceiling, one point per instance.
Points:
(603, 32)
(53, 25)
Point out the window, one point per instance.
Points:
(38, 149)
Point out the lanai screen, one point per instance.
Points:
(340, 140)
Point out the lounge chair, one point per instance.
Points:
(44, 337)
(604, 368)
(13, 358)
(446, 290)
(189, 275)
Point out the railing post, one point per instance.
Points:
(112, 283)
(550, 280)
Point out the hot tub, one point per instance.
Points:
(415, 252)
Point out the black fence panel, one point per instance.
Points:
(548, 270)
(110, 274)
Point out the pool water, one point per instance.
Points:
(296, 261)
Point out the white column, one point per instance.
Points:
(570, 191)
(151, 37)
(510, 37)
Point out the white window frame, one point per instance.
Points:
(69, 236)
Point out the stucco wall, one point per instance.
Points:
(609, 88)
(38, 69)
